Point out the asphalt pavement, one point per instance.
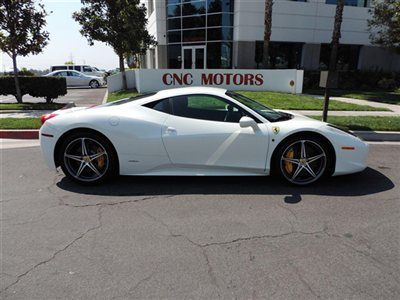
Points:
(199, 238)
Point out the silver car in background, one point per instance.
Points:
(75, 78)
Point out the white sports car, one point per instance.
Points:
(195, 131)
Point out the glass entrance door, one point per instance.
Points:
(194, 57)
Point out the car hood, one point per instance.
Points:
(303, 119)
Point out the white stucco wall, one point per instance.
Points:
(149, 80)
(307, 22)
(114, 82)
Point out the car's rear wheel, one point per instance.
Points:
(87, 158)
(94, 84)
(303, 160)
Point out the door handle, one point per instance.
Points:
(170, 130)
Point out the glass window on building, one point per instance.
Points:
(220, 34)
(194, 22)
(174, 23)
(282, 55)
(220, 20)
(174, 10)
(220, 55)
(359, 3)
(174, 56)
(194, 8)
(200, 24)
(219, 6)
(347, 58)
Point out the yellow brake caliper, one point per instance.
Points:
(288, 165)
(100, 159)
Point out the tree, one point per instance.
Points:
(333, 56)
(384, 26)
(267, 31)
(69, 62)
(21, 32)
(118, 23)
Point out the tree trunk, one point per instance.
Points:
(122, 70)
(18, 95)
(267, 32)
(333, 58)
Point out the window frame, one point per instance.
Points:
(227, 101)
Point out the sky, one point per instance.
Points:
(65, 42)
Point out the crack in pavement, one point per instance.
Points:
(54, 255)
(210, 270)
(147, 278)
(61, 201)
(303, 281)
(257, 237)
(379, 264)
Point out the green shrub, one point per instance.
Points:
(387, 83)
(49, 88)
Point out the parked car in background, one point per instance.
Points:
(75, 78)
(85, 69)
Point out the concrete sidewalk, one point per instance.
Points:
(343, 113)
(395, 109)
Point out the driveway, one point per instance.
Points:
(200, 238)
(81, 97)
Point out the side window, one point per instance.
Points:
(55, 68)
(62, 74)
(73, 74)
(206, 107)
(160, 105)
(87, 69)
(77, 68)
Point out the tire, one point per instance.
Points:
(94, 84)
(88, 158)
(303, 159)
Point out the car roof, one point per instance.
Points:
(150, 97)
(191, 90)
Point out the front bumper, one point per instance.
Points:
(350, 161)
(48, 137)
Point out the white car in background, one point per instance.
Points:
(85, 69)
(75, 79)
(195, 131)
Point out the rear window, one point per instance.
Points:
(160, 105)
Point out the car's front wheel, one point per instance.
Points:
(303, 160)
(94, 84)
(87, 158)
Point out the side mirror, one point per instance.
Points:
(247, 122)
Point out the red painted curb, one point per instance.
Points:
(19, 134)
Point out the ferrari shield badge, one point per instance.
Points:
(275, 129)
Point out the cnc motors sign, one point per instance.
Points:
(150, 80)
(213, 79)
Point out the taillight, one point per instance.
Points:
(46, 117)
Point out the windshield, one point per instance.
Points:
(268, 113)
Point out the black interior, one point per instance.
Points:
(180, 108)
